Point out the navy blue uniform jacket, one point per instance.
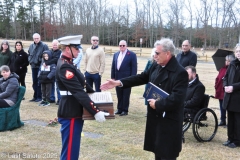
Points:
(69, 78)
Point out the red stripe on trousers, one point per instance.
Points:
(70, 139)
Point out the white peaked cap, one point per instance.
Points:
(70, 40)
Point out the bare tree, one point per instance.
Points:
(204, 14)
(175, 14)
(189, 9)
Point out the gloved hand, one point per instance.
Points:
(100, 116)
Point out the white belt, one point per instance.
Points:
(65, 93)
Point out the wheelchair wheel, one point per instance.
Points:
(186, 125)
(205, 125)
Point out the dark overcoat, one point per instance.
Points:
(195, 95)
(163, 134)
(231, 101)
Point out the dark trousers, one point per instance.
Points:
(222, 111)
(46, 91)
(36, 84)
(71, 137)
(93, 78)
(3, 104)
(159, 158)
(233, 127)
(123, 96)
(21, 79)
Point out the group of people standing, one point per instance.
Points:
(39, 57)
(13, 72)
(43, 63)
(227, 87)
(227, 91)
(17, 61)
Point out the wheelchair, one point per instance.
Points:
(204, 122)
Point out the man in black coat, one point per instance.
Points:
(195, 92)
(163, 134)
(187, 57)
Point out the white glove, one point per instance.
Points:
(100, 116)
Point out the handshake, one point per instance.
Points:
(100, 116)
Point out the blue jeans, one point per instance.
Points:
(52, 96)
(71, 137)
(93, 78)
(36, 84)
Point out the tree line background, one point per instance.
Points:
(206, 23)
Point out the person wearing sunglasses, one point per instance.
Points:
(124, 64)
(94, 64)
(163, 133)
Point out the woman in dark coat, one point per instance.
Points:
(19, 62)
(231, 101)
(219, 88)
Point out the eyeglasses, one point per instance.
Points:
(95, 40)
(157, 53)
(121, 45)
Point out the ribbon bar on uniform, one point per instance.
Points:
(65, 93)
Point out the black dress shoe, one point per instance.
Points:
(32, 100)
(51, 101)
(123, 113)
(118, 112)
(222, 123)
(232, 145)
(227, 143)
(38, 100)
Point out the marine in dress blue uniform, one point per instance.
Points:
(74, 92)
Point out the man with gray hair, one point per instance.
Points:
(163, 135)
(35, 52)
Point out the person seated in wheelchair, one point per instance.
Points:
(8, 87)
(195, 93)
